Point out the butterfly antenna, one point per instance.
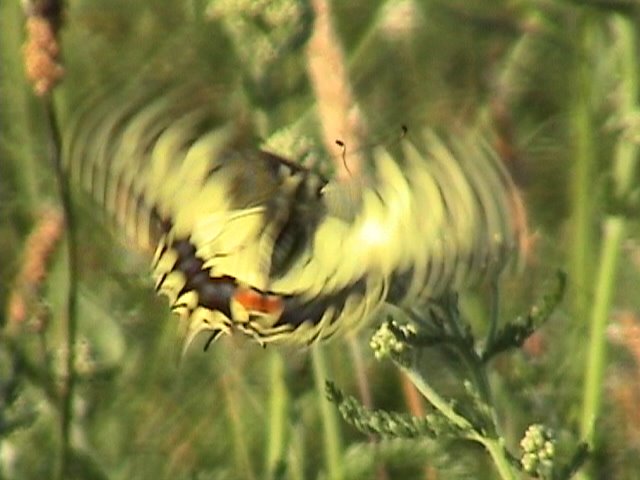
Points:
(343, 146)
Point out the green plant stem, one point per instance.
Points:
(469, 357)
(475, 367)
(596, 359)
(330, 421)
(276, 420)
(584, 166)
(500, 458)
(70, 324)
(492, 444)
(296, 455)
(243, 462)
(435, 399)
(626, 158)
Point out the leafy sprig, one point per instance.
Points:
(473, 416)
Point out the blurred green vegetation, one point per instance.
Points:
(558, 80)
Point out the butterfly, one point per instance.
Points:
(248, 241)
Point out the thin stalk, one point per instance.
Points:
(471, 360)
(435, 399)
(493, 445)
(500, 458)
(582, 253)
(625, 163)
(481, 381)
(365, 392)
(596, 358)
(243, 462)
(276, 419)
(626, 159)
(70, 324)
(41, 53)
(296, 456)
(330, 421)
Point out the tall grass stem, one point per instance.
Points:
(329, 415)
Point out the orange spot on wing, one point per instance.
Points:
(256, 302)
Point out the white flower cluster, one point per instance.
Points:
(538, 445)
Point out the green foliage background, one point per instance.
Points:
(551, 75)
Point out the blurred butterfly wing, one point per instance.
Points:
(431, 217)
(222, 218)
